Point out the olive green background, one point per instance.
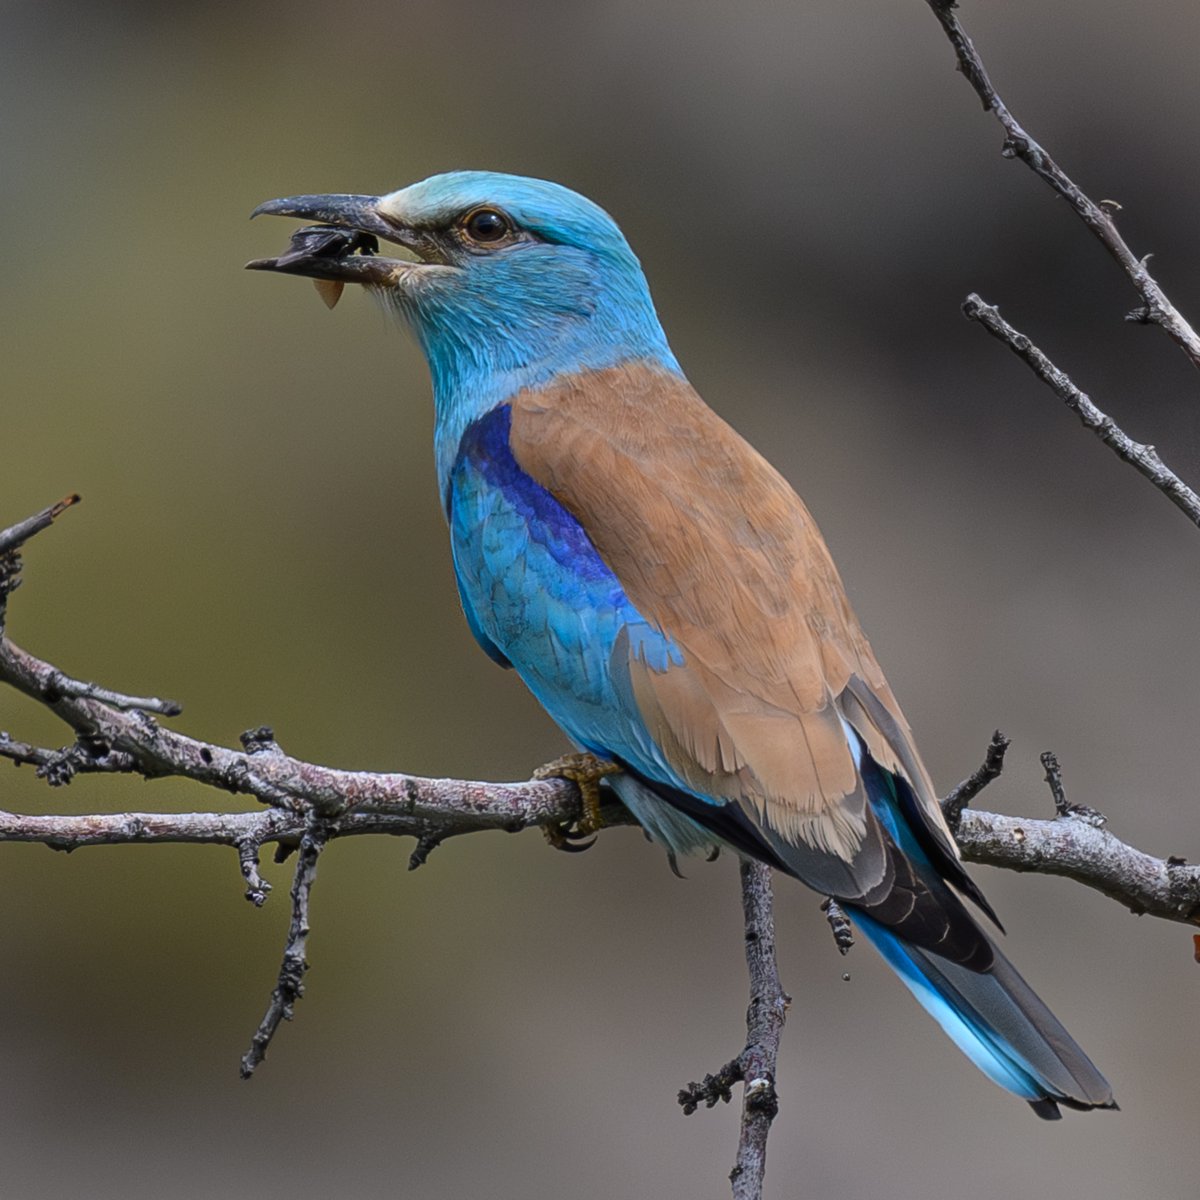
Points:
(813, 191)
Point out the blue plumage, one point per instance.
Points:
(571, 297)
(665, 595)
(539, 597)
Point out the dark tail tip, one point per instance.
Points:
(1046, 1109)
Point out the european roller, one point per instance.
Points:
(663, 591)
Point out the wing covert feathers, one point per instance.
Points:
(714, 547)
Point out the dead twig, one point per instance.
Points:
(755, 1066)
(1155, 308)
(1144, 459)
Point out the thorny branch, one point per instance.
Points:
(1155, 308)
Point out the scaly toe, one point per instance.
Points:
(585, 771)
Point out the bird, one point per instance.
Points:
(663, 591)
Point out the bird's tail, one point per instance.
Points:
(999, 1023)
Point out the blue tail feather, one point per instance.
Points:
(999, 1023)
(992, 1015)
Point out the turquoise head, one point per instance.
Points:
(511, 282)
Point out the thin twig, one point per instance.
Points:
(765, 1018)
(61, 685)
(1144, 459)
(15, 536)
(290, 986)
(257, 888)
(11, 541)
(839, 925)
(711, 1088)
(1055, 783)
(60, 766)
(1062, 807)
(756, 1065)
(1155, 309)
(962, 794)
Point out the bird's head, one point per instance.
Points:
(507, 282)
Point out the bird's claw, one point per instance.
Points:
(568, 838)
(585, 771)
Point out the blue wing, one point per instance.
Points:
(538, 596)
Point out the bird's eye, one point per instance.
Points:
(486, 225)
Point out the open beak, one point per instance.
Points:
(344, 246)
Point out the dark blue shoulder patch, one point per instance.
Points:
(485, 448)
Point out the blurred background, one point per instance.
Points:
(813, 191)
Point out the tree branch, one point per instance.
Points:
(311, 805)
(15, 536)
(131, 742)
(11, 541)
(765, 1018)
(756, 1065)
(962, 795)
(1075, 845)
(1075, 848)
(1155, 308)
(292, 970)
(1144, 459)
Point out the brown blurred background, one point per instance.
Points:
(813, 191)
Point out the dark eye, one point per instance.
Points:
(486, 225)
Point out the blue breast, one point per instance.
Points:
(538, 595)
(485, 453)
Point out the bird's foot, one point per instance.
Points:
(585, 771)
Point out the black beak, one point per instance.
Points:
(346, 212)
(344, 246)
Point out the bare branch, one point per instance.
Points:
(145, 828)
(1155, 309)
(113, 740)
(15, 536)
(756, 1065)
(61, 685)
(148, 749)
(765, 1018)
(292, 970)
(1144, 459)
(962, 795)
(1074, 847)
(839, 925)
(1073, 844)
(11, 541)
(308, 806)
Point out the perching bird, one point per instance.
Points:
(663, 591)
